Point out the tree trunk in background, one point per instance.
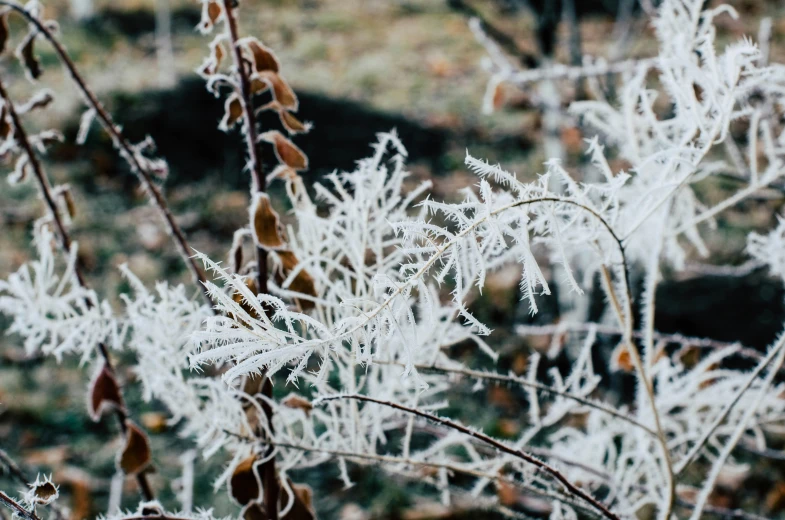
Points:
(81, 8)
(163, 43)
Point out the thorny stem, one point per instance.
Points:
(121, 142)
(17, 509)
(269, 477)
(20, 134)
(556, 474)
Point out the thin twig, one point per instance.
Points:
(17, 508)
(556, 474)
(125, 148)
(269, 477)
(20, 135)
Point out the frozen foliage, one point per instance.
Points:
(366, 356)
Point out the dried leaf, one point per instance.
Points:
(26, 53)
(621, 359)
(292, 124)
(286, 151)
(135, 456)
(298, 403)
(233, 112)
(302, 283)
(254, 511)
(42, 492)
(282, 92)
(264, 58)
(5, 125)
(21, 169)
(245, 485)
(41, 99)
(3, 30)
(211, 13)
(265, 223)
(104, 393)
(302, 509)
(212, 64)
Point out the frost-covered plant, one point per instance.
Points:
(358, 300)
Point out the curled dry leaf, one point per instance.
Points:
(292, 124)
(212, 64)
(621, 359)
(20, 170)
(298, 403)
(43, 493)
(233, 112)
(264, 58)
(286, 151)
(3, 30)
(302, 509)
(245, 485)
(236, 251)
(302, 283)
(104, 393)
(26, 54)
(41, 99)
(211, 13)
(254, 511)
(135, 456)
(265, 223)
(282, 92)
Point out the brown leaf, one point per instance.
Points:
(245, 485)
(26, 53)
(297, 402)
(213, 62)
(5, 125)
(303, 282)
(3, 30)
(264, 223)
(292, 124)
(508, 495)
(286, 151)
(254, 511)
(263, 57)
(44, 492)
(302, 509)
(282, 92)
(104, 393)
(233, 112)
(135, 456)
(238, 297)
(211, 12)
(621, 359)
(41, 99)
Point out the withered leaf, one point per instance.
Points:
(233, 112)
(135, 456)
(211, 12)
(264, 58)
(264, 223)
(282, 92)
(245, 485)
(302, 283)
(104, 393)
(292, 124)
(41, 99)
(254, 511)
(621, 359)
(26, 53)
(5, 125)
(302, 509)
(44, 492)
(297, 402)
(3, 30)
(286, 151)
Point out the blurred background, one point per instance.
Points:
(359, 67)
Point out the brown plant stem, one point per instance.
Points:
(526, 457)
(17, 509)
(20, 134)
(272, 489)
(124, 146)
